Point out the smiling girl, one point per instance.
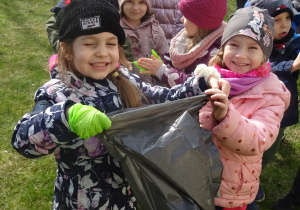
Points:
(143, 31)
(245, 125)
(71, 111)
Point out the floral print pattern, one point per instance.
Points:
(87, 176)
(259, 28)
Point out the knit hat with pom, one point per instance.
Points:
(206, 14)
(87, 17)
(253, 22)
(274, 7)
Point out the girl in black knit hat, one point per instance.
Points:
(71, 111)
(52, 30)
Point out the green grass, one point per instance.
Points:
(24, 50)
(27, 184)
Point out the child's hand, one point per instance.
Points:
(296, 64)
(150, 64)
(219, 101)
(218, 83)
(86, 121)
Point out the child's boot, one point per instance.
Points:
(252, 206)
(288, 202)
(260, 196)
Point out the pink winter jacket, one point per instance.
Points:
(149, 35)
(249, 128)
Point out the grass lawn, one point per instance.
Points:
(27, 184)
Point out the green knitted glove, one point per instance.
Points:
(86, 121)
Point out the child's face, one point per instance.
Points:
(96, 55)
(242, 54)
(282, 25)
(190, 27)
(135, 10)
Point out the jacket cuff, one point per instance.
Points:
(161, 71)
(59, 128)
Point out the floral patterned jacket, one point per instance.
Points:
(87, 176)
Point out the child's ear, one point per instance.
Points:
(68, 56)
(264, 60)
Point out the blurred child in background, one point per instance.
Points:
(285, 63)
(143, 31)
(195, 44)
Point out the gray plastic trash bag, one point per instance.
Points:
(168, 160)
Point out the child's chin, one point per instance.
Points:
(99, 77)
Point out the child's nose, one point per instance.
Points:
(241, 53)
(134, 6)
(182, 19)
(101, 51)
(284, 23)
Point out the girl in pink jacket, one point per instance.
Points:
(246, 124)
(143, 31)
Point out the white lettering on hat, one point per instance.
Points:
(90, 23)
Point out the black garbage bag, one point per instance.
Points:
(168, 160)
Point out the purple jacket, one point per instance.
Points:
(168, 15)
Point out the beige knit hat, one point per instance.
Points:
(149, 4)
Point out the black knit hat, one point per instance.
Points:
(274, 7)
(87, 17)
(253, 22)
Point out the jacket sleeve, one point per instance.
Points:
(52, 33)
(282, 68)
(162, 46)
(253, 134)
(40, 131)
(157, 94)
(127, 49)
(170, 75)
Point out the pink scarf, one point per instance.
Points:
(242, 82)
(261, 71)
(181, 59)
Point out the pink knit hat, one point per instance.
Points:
(206, 14)
(149, 5)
